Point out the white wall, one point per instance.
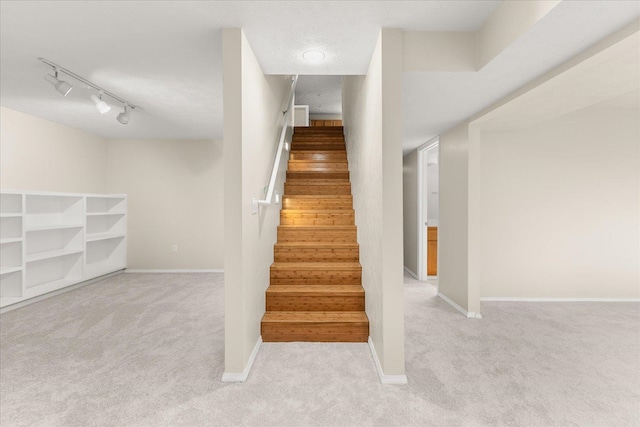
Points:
(174, 187)
(410, 210)
(560, 203)
(175, 196)
(372, 114)
(253, 105)
(39, 155)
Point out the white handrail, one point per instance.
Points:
(281, 142)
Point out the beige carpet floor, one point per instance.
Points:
(147, 350)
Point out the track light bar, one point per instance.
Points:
(64, 88)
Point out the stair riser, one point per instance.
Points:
(316, 277)
(293, 175)
(314, 333)
(318, 141)
(315, 255)
(294, 190)
(319, 157)
(346, 220)
(318, 129)
(317, 167)
(319, 147)
(317, 204)
(288, 235)
(314, 303)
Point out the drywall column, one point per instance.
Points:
(453, 231)
(410, 212)
(392, 278)
(253, 105)
(372, 116)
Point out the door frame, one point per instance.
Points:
(422, 238)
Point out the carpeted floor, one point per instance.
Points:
(147, 350)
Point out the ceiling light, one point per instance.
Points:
(61, 86)
(64, 88)
(102, 106)
(125, 115)
(313, 56)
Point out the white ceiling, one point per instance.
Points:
(434, 102)
(166, 56)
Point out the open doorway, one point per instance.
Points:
(429, 210)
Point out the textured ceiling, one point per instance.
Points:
(166, 56)
(323, 94)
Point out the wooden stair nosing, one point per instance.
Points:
(316, 290)
(313, 317)
(322, 266)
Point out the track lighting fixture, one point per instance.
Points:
(102, 106)
(61, 86)
(125, 115)
(64, 88)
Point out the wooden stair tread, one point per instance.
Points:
(317, 196)
(315, 317)
(318, 227)
(316, 266)
(318, 245)
(316, 290)
(320, 181)
(317, 211)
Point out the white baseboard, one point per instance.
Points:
(538, 299)
(385, 379)
(469, 314)
(143, 270)
(233, 377)
(411, 273)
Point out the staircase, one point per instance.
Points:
(316, 292)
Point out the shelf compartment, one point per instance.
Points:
(10, 255)
(8, 270)
(105, 204)
(48, 211)
(101, 224)
(10, 285)
(10, 203)
(46, 241)
(54, 272)
(106, 255)
(10, 228)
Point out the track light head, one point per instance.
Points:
(61, 86)
(125, 115)
(102, 106)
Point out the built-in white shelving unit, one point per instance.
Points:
(52, 240)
